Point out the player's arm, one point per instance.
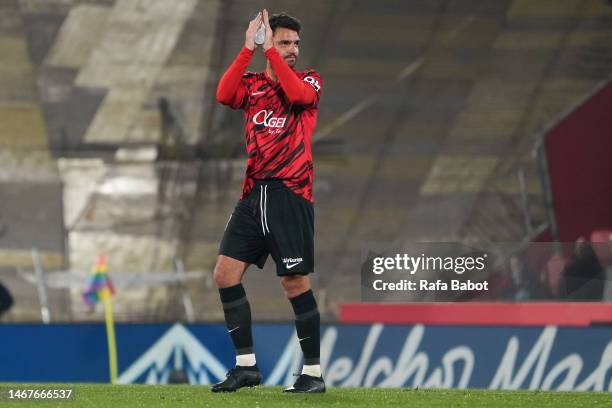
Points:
(298, 91)
(230, 90)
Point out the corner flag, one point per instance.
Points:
(101, 288)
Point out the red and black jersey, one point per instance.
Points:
(279, 120)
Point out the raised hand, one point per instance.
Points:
(268, 41)
(249, 36)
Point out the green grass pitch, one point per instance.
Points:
(109, 396)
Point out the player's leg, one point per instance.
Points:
(307, 322)
(242, 245)
(237, 311)
(291, 243)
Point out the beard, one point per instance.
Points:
(291, 61)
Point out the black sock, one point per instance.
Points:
(238, 318)
(307, 325)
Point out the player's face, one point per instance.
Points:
(287, 43)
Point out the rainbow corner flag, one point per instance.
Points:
(101, 289)
(99, 281)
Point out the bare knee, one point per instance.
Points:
(295, 285)
(228, 271)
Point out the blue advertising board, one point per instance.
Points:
(351, 355)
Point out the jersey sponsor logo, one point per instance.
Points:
(315, 84)
(264, 117)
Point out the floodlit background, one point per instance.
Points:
(434, 126)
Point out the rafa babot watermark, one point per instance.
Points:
(388, 276)
(411, 264)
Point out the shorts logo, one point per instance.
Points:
(291, 262)
(264, 117)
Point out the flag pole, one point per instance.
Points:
(106, 295)
(110, 334)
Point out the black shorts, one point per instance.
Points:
(272, 220)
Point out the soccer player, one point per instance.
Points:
(275, 214)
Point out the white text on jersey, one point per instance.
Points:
(264, 117)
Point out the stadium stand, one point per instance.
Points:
(430, 115)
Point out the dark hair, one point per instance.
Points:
(286, 21)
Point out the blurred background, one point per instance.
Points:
(470, 121)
